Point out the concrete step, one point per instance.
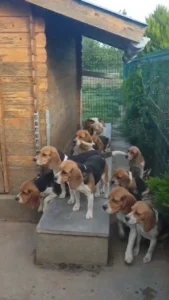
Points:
(64, 236)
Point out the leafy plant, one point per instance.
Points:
(159, 188)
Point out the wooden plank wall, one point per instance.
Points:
(16, 85)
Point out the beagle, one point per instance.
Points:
(149, 225)
(82, 178)
(83, 142)
(136, 186)
(120, 202)
(136, 160)
(94, 126)
(39, 191)
(50, 157)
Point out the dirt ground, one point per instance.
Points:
(21, 279)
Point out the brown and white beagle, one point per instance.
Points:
(83, 142)
(120, 202)
(149, 225)
(37, 193)
(136, 186)
(136, 160)
(51, 158)
(84, 178)
(94, 126)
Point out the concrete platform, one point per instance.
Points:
(64, 236)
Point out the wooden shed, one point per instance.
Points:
(40, 75)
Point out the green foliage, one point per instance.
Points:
(158, 29)
(99, 57)
(137, 124)
(107, 109)
(159, 188)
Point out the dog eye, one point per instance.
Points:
(64, 173)
(115, 201)
(43, 154)
(136, 213)
(24, 193)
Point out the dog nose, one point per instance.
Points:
(17, 198)
(126, 156)
(35, 159)
(113, 181)
(104, 206)
(127, 218)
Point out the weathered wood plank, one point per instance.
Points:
(26, 137)
(13, 95)
(95, 17)
(16, 101)
(39, 25)
(19, 55)
(40, 39)
(16, 148)
(11, 69)
(19, 161)
(17, 124)
(41, 55)
(16, 8)
(14, 24)
(3, 148)
(16, 179)
(20, 40)
(18, 111)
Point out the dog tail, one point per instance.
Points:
(114, 153)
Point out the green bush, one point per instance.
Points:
(159, 188)
(137, 122)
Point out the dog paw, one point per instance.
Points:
(128, 258)
(89, 215)
(71, 201)
(76, 207)
(62, 195)
(136, 251)
(147, 258)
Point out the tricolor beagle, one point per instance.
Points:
(51, 158)
(136, 186)
(83, 178)
(120, 202)
(39, 191)
(136, 160)
(149, 224)
(94, 126)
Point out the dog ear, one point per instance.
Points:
(98, 143)
(127, 202)
(55, 160)
(149, 221)
(75, 178)
(34, 199)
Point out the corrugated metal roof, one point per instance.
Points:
(91, 3)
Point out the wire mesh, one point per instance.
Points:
(155, 83)
(102, 85)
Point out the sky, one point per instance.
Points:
(135, 9)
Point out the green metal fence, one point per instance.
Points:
(154, 70)
(102, 84)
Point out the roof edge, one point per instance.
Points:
(102, 8)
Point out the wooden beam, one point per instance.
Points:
(100, 74)
(95, 17)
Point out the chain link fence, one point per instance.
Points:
(102, 84)
(154, 103)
